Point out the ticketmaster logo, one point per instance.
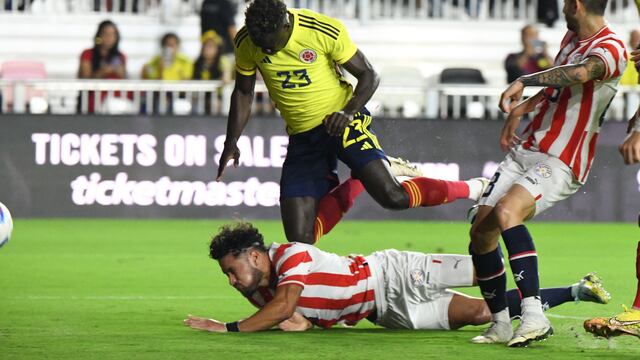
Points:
(92, 189)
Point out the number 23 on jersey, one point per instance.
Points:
(294, 79)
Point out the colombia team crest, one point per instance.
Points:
(308, 56)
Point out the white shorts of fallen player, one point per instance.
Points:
(415, 287)
(545, 177)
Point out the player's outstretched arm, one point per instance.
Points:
(592, 68)
(276, 311)
(368, 81)
(239, 113)
(281, 308)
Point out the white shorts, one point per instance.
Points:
(546, 177)
(414, 287)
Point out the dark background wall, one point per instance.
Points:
(94, 166)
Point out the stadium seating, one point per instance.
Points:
(22, 70)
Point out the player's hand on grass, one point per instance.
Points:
(630, 148)
(230, 152)
(511, 97)
(508, 137)
(296, 322)
(337, 122)
(199, 323)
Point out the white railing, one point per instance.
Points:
(119, 97)
(364, 10)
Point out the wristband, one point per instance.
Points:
(232, 327)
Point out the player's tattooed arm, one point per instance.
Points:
(592, 68)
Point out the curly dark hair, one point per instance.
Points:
(234, 239)
(263, 18)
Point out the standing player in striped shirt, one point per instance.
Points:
(296, 285)
(550, 164)
(627, 322)
(300, 54)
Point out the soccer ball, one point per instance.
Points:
(6, 224)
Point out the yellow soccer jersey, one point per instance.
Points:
(302, 78)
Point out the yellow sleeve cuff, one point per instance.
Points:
(243, 71)
(347, 54)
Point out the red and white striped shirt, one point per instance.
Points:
(567, 122)
(336, 289)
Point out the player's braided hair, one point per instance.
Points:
(234, 239)
(264, 17)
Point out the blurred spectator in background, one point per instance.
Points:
(210, 65)
(630, 75)
(103, 61)
(531, 59)
(171, 64)
(219, 16)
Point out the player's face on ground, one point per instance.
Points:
(569, 10)
(243, 271)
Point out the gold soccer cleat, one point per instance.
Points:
(590, 289)
(625, 323)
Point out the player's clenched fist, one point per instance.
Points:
(630, 148)
(337, 122)
(230, 152)
(296, 322)
(508, 137)
(511, 97)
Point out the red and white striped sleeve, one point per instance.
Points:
(614, 55)
(292, 263)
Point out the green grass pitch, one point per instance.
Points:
(119, 289)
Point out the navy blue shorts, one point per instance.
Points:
(311, 165)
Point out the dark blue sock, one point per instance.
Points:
(523, 259)
(551, 297)
(491, 278)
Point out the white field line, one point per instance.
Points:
(565, 317)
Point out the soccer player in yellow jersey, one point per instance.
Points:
(299, 54)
